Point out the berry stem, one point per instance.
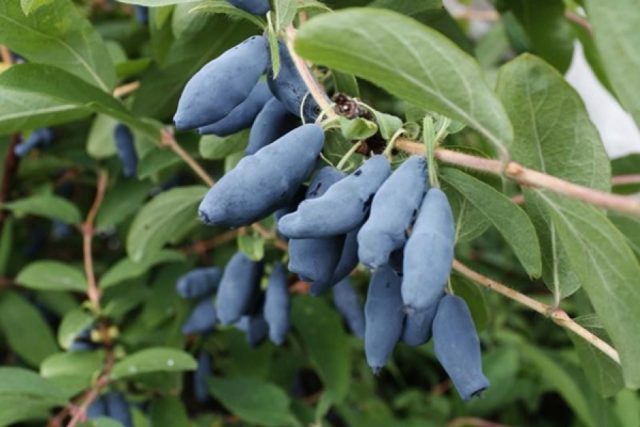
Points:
(557, 315)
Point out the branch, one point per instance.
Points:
(93, 292)
(625, 179)
(529, 177)
(5, 55)
(558, 316)
(169, 141)
(10, 168)
(126, 89)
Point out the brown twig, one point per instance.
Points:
(577, 19)
(5, 55)
(625, 179)
(529, 177)
(126, 89)
(202, 247)
(10, 168)
(169, 141)
(557, 315)
(93, 292)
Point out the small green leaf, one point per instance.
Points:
(508, 218)
(6, 245)
(100, 142)
(52, 276)
(409, 60)
(73, 371)
(26, 331)
(158, 359)
(265, 404)
(121, 204)
(324, 338)
(285, 11)
(48, 206)
(24, 395)
(357, 129)
(252, 246)
(127, 269)
(72, 325)
(388, 124)
(159, 220)
(216, 147)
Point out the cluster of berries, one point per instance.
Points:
(391, 222)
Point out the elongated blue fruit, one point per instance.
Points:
(273, 121)
(118, 408)
(39, 138)
(349, 306)
(257, 7)
(199, 283)
(393, 209)
(238, 288)
(98, 408)
(258, 330)
(243, 115)
(342, 208)
(202, 319)
(290, 89)
(457, 346)
(347, 262)
(384, 317)
(316, 259)
(277, 305)
(126, 150)
(222, 84)
(265, 181)
(142, 14)
(428, 254)
(200, 388)
(417, 326)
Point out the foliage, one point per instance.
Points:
(89, 258)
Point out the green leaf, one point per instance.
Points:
(6, 245)
(24, 395)
(388, 124)
(56, 34)
(557, 377)
(607, 270)
(25, 330)
(410, 61)
(602, 372)
(553, 134)
(72, 325)
(615, 30)
(324, 338)
(100, 142)
(157, 359)
(222, 6)
(630, 228)
(253, 400)
(548, 31)
(168, 412)
(345, 83)
(46, 205)
(127, 269)
(121, 204)
(161, 218)
(285, 11)
(470, 222)
(508, 218)
(357, 129)
(52, 276)
(73, 371)
(37, 95)
(216, 147)
(252, 246)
